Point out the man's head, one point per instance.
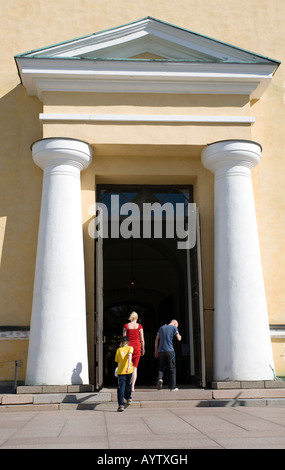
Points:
(174, 322)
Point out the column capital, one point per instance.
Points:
(227, 154)
(61, 151)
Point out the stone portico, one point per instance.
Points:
(181, 115)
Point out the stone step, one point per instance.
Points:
(248, 384)
(260, 384)
(142, 398)
(36, 389)
(103, 406)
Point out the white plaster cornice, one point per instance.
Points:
(45, 74)
(183, 119)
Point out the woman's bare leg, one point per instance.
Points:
(134, 378)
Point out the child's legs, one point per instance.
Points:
(128, 387)
(121, 388)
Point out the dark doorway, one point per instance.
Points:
(149, 276)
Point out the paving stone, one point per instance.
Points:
(147, 428)
(236, 403)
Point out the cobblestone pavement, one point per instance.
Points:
(138, 428)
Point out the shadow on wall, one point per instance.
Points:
(75, 378)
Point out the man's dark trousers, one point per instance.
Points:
(167, 360)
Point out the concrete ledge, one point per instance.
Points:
(112, 406)
(30, 407)
(248, 394)
(166, 395)
(174, 404)
(107, 406)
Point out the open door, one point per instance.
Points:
(99, 315)
(163, 282)
(196, 312)
(201, 308)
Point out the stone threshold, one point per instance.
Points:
(227, 385)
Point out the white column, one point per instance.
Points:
(242, 346)
(58, 346)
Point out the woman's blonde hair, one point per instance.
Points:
(133, 316)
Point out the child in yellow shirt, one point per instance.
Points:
(125, 369)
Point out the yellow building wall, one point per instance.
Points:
(10, 352)
(256, 26)
(278, 347)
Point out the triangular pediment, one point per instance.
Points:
(147, 56)
(148, 39)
